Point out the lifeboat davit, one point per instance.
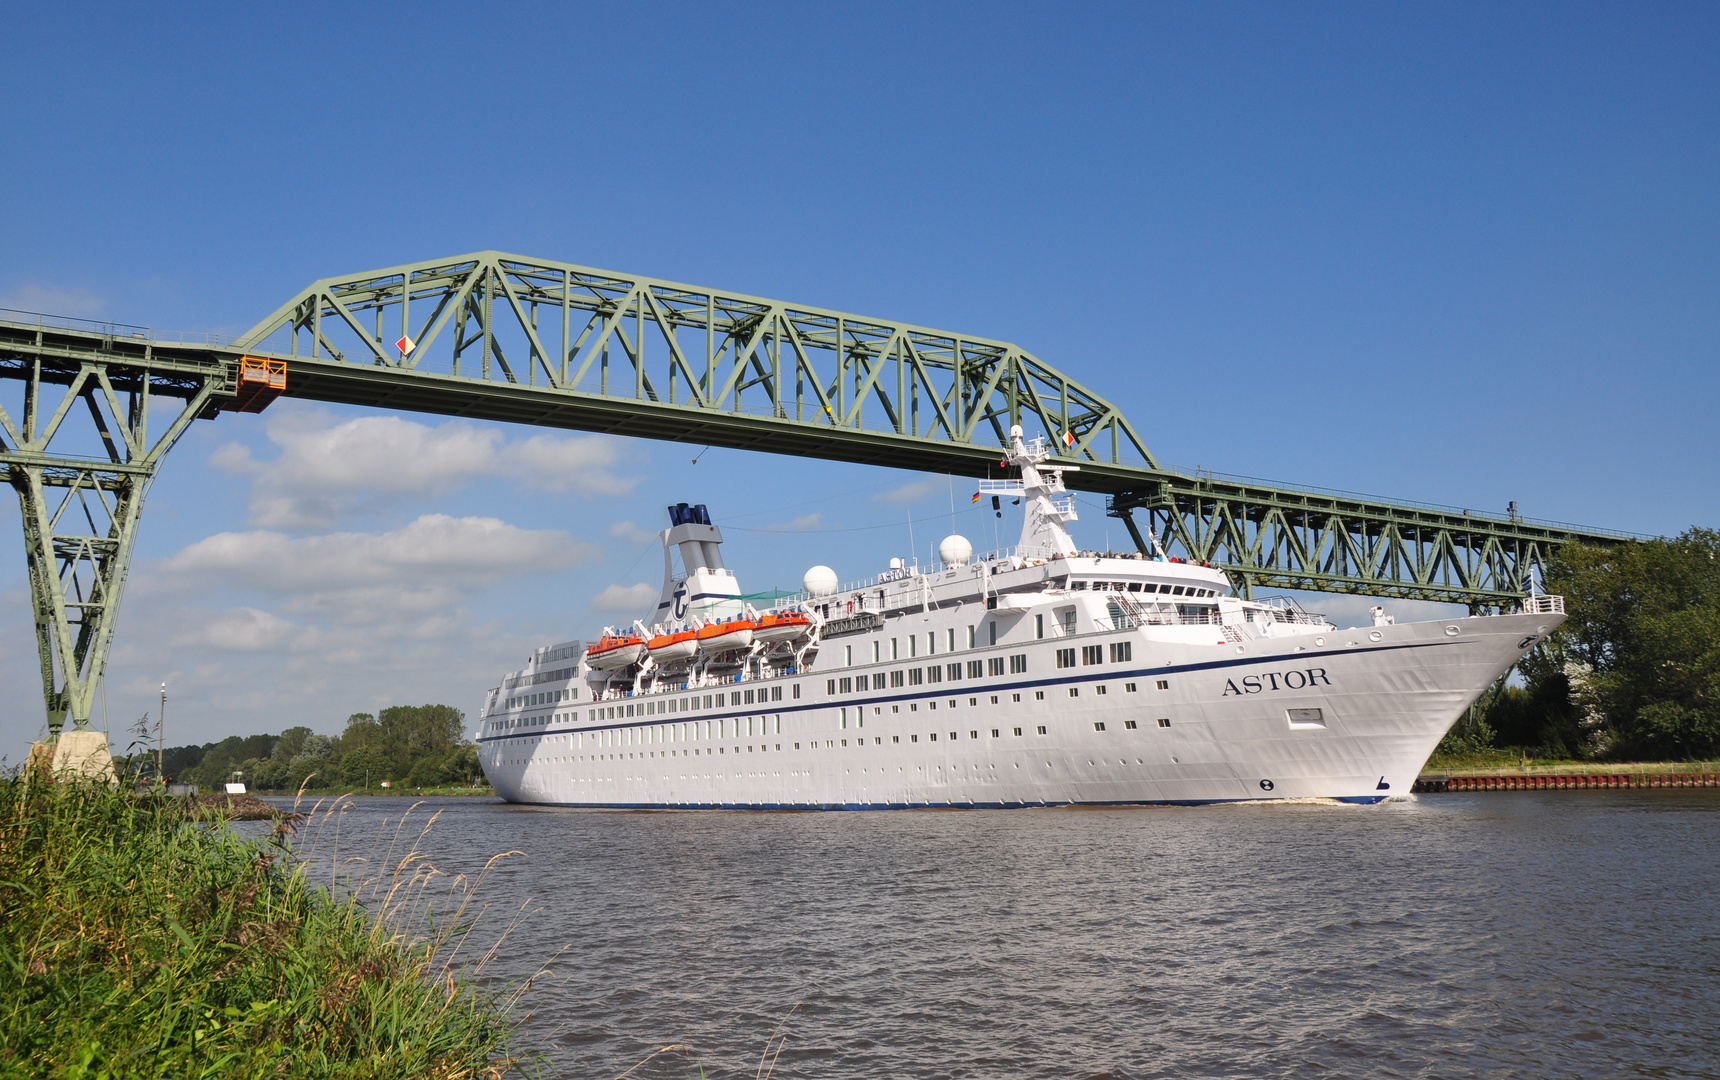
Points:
(615, 651)
(782, 626)
(669, 648)
(719, 637)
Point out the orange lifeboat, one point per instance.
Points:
(737, 633)
(668, 648)
(782, 626)
(615, 651)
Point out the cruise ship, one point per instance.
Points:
(1042, 675)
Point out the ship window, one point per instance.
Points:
(1134, 586)
(1018, 664)
(975, 734)
(1041, 729)
(934, 674)
(1306, 718)
(931, 642)
(797, 746)
(1074, 691)
(915, 676)
(1067, 618)
(1100, 690)
(747, 696)
(734, 697)
(970, 637)
(895, 738)
(831, 688)
(913, 738)
(1092, 654)
(1015, 697)
(1099, 725)
(1122, 652)
(1130, 687)
(1039, 626)
(1065, 658)
(878, 680)
(973, 701)
(895, 653)
(954, 671)
(992, 630)
(1164, 721)
(913, 645)
(779, 724)
(1130, 724)
(952, 633)
(795, 695)
(976, 669)
(994, 665)
(895, 678)
(994, 699)
(1018, 731)
(848, 656)
(1177, 591)
(934, 736)
(1164, 684)
(876, 645)
(844, 718)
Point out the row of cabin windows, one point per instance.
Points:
(1121, 652)
(897, 650)
(936, 673)
(1143, 587)
(668, 706)
(526, 701)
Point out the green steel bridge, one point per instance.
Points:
(499, 337)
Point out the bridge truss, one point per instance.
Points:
(500, 337)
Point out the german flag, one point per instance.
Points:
(976, 496)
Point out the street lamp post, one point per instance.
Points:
(160, 734)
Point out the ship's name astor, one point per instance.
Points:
(1294, 679)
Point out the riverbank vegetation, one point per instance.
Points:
(411, 747)
(1632, 675)
(137, 941)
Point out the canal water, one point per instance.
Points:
(1524, 934)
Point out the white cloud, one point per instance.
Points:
(418, 570)
(50, 300)
(326, 466)
(634, 599)
(799, 524)
(242, 630)
(633, 534)
(913, 492)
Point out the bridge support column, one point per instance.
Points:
(81, 514)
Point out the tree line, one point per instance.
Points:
(1634, 672)
(410, 745)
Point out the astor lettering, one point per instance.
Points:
(1294, 679)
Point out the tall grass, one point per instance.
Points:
(136, 942)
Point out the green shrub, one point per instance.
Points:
(137, 942)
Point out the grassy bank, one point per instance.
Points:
(137, 942)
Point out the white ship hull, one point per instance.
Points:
(1383, 706)
(1044, 676)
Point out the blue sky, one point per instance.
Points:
(1460, 254)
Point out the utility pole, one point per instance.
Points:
(160, 734)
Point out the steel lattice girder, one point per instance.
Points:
(1332, 542)
(80, 515)
(635, 355)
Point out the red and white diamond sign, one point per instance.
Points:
(405, 345)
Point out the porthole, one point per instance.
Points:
(1319, 641)
(1452, 631)
(1375, 635)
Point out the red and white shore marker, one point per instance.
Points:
(405, 345)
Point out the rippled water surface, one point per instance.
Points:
(1529, 934)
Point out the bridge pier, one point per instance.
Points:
(80, 514)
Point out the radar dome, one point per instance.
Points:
(955, 551)
(819, 581)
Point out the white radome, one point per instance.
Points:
(955, 550)
(819, 581)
